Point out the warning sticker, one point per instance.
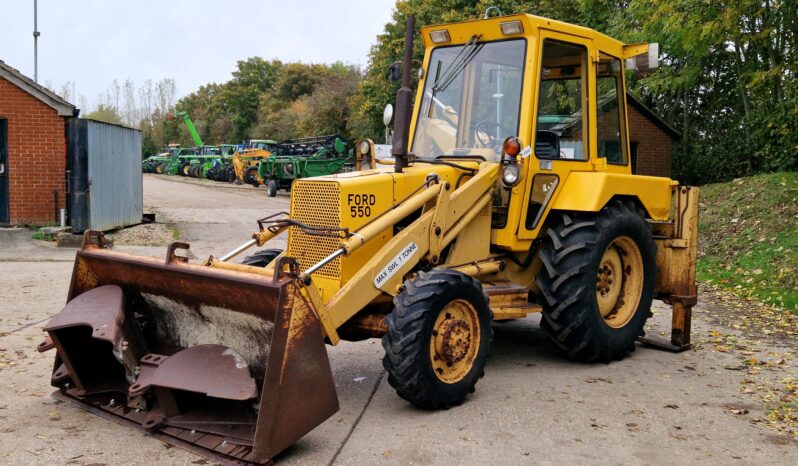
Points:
(396, 264)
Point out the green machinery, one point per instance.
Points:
(160, 163)
(304, 158)
(148, 164)
(222, 168)
(197, 162)
(207, 157)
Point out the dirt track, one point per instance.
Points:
(533, 406)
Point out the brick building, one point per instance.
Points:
(651, 140)
(650, 137)
(32, 150)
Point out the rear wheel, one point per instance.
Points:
(438, 338)
(597, 281)
(271, 186)
(262, 258)
(251, 176)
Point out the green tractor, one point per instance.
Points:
(304, 158)
(207, 158)
(179, 165)
(223, 169)
(162, 162)
(148, 164)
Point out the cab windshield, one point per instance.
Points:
(471, 100)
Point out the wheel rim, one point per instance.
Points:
(619, 282)
(455, 341)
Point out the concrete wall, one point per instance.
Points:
(36, 156)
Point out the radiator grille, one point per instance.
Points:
(315, 203)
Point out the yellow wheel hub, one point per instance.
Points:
(455, 341)
(619, 282)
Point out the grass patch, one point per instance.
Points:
(41, 236)
(749, 238)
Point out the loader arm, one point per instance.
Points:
(191, 128)
(449, 212)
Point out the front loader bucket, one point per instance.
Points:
(228, 364)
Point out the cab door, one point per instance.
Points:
(560, 125)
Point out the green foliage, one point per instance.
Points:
(106, 114)
(269, 100)
(727, 81)
(749, 237)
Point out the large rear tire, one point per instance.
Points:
(597, 281)
(438, 338)
(262, 258)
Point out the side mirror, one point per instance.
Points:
(387, 115)
(641, 57)
(395, 71)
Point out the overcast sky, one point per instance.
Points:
(93, 42)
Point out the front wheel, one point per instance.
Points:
(271, 187)
(438, 338)
(262, 258)
(597, 281)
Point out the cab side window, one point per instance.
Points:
(611, 119)
(561, 125)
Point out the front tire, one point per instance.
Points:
(438, 338)
(271, 187)
(262, 258)
(597, 281)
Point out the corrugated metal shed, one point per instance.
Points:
(105, 176)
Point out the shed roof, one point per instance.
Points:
(41, 93)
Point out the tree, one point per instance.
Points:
(106, 114)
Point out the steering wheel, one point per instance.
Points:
(491, 142)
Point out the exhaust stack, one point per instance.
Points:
(401, 125)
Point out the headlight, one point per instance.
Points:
(511, 174)
(364, 147)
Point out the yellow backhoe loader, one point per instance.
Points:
(510, 193)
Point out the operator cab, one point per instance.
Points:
(471, 100)
(521, 76)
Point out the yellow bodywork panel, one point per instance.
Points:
(350, 201)
(590, 191)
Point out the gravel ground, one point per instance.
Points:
(721, 402)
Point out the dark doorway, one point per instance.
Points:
(4, 171)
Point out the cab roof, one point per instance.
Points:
(490, 30)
